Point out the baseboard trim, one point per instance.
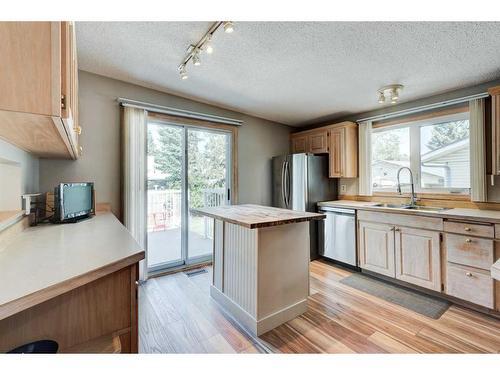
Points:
(254, 326)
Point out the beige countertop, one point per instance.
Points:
(255, 216)
(490, 216)
(48, 260)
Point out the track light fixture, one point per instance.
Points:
(390, 91)
(208, 45)
(204, 44)
(183, 72)
(196, 59)
(228, 27)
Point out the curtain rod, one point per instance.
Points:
(424, 107)
(177, 112)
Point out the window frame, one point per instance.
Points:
(415, 153)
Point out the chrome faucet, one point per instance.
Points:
(413, 199)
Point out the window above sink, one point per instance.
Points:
(436, 149)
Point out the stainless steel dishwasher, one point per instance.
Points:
(338, 234)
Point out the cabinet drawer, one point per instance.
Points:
(408, 220)
(470, 285)
(482, 230)
(470, 251)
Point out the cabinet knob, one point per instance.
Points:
(393, 228)
(468, 274)
(467, 229)
(397, 229)
(468, 240)
(78, 130)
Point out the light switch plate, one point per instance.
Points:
(343, 188)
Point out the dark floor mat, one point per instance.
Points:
(429, 306)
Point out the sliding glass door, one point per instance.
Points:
(188, 167)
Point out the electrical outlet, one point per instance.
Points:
(343, 188)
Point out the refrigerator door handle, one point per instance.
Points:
(283, 196)
(287, 184)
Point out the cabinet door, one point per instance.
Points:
(69, 79)
(318, 142)
(336, 152)
(418, 257)
(376, 247)
(299, 144)
(31, 63)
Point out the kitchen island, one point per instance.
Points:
(260, 263)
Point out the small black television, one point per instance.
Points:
(73, 201)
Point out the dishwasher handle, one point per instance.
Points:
(335, 210)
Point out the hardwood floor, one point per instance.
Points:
(177, 315)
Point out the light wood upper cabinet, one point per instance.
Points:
(376, 247)
(343, 151)
(340, 141)
(318, 142)
(495, 129)
(299, 144)
(39, 84)
(418, 257)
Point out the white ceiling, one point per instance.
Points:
(295, 72)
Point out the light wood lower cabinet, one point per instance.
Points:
(376, 247)
(84, 319)
(418, 257)
(470, 284)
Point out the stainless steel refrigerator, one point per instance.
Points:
(300, 181)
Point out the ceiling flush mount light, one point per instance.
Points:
(228, 27)
(204, 45)
(390, 91)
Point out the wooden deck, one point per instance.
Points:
(177, 315)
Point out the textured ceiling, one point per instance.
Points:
(295, 72)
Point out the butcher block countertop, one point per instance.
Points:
(472, 214)
(45, 261)
(255, 216)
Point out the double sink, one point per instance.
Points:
(410, 207)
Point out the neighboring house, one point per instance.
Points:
(446, 167)
(452, 162)
(385, 174)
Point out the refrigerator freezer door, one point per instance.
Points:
(296, 181)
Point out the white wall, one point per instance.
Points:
(258, 141)
(19, 174)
